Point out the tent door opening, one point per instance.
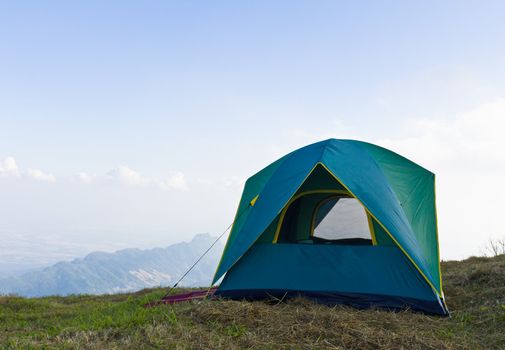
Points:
(324, 217)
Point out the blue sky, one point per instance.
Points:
(136, 123)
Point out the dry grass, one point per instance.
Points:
(475, 291)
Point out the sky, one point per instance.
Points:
(135, 124)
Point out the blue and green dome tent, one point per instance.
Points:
(341, 222)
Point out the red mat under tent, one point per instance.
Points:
(179, 298)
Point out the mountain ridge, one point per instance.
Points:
(125, 270)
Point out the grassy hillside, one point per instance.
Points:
(475, 292)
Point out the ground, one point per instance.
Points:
(474, 288)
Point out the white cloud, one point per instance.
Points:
(176, 181)
(234, 182)
(128, 176)
(85, 178)
(9, 167)
(473, 141)
(39, 175)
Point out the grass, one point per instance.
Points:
(475, 292)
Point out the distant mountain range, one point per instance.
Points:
(122, 271)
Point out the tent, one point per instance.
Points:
(339, 222)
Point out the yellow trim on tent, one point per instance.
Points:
(253, 202)
(436, 233)
(387, 231)
(294, 198)
(370, 226)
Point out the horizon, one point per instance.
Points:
(126, 125)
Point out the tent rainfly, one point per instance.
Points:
(339, 222)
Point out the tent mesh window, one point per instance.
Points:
(325, 219)
(341, 219)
